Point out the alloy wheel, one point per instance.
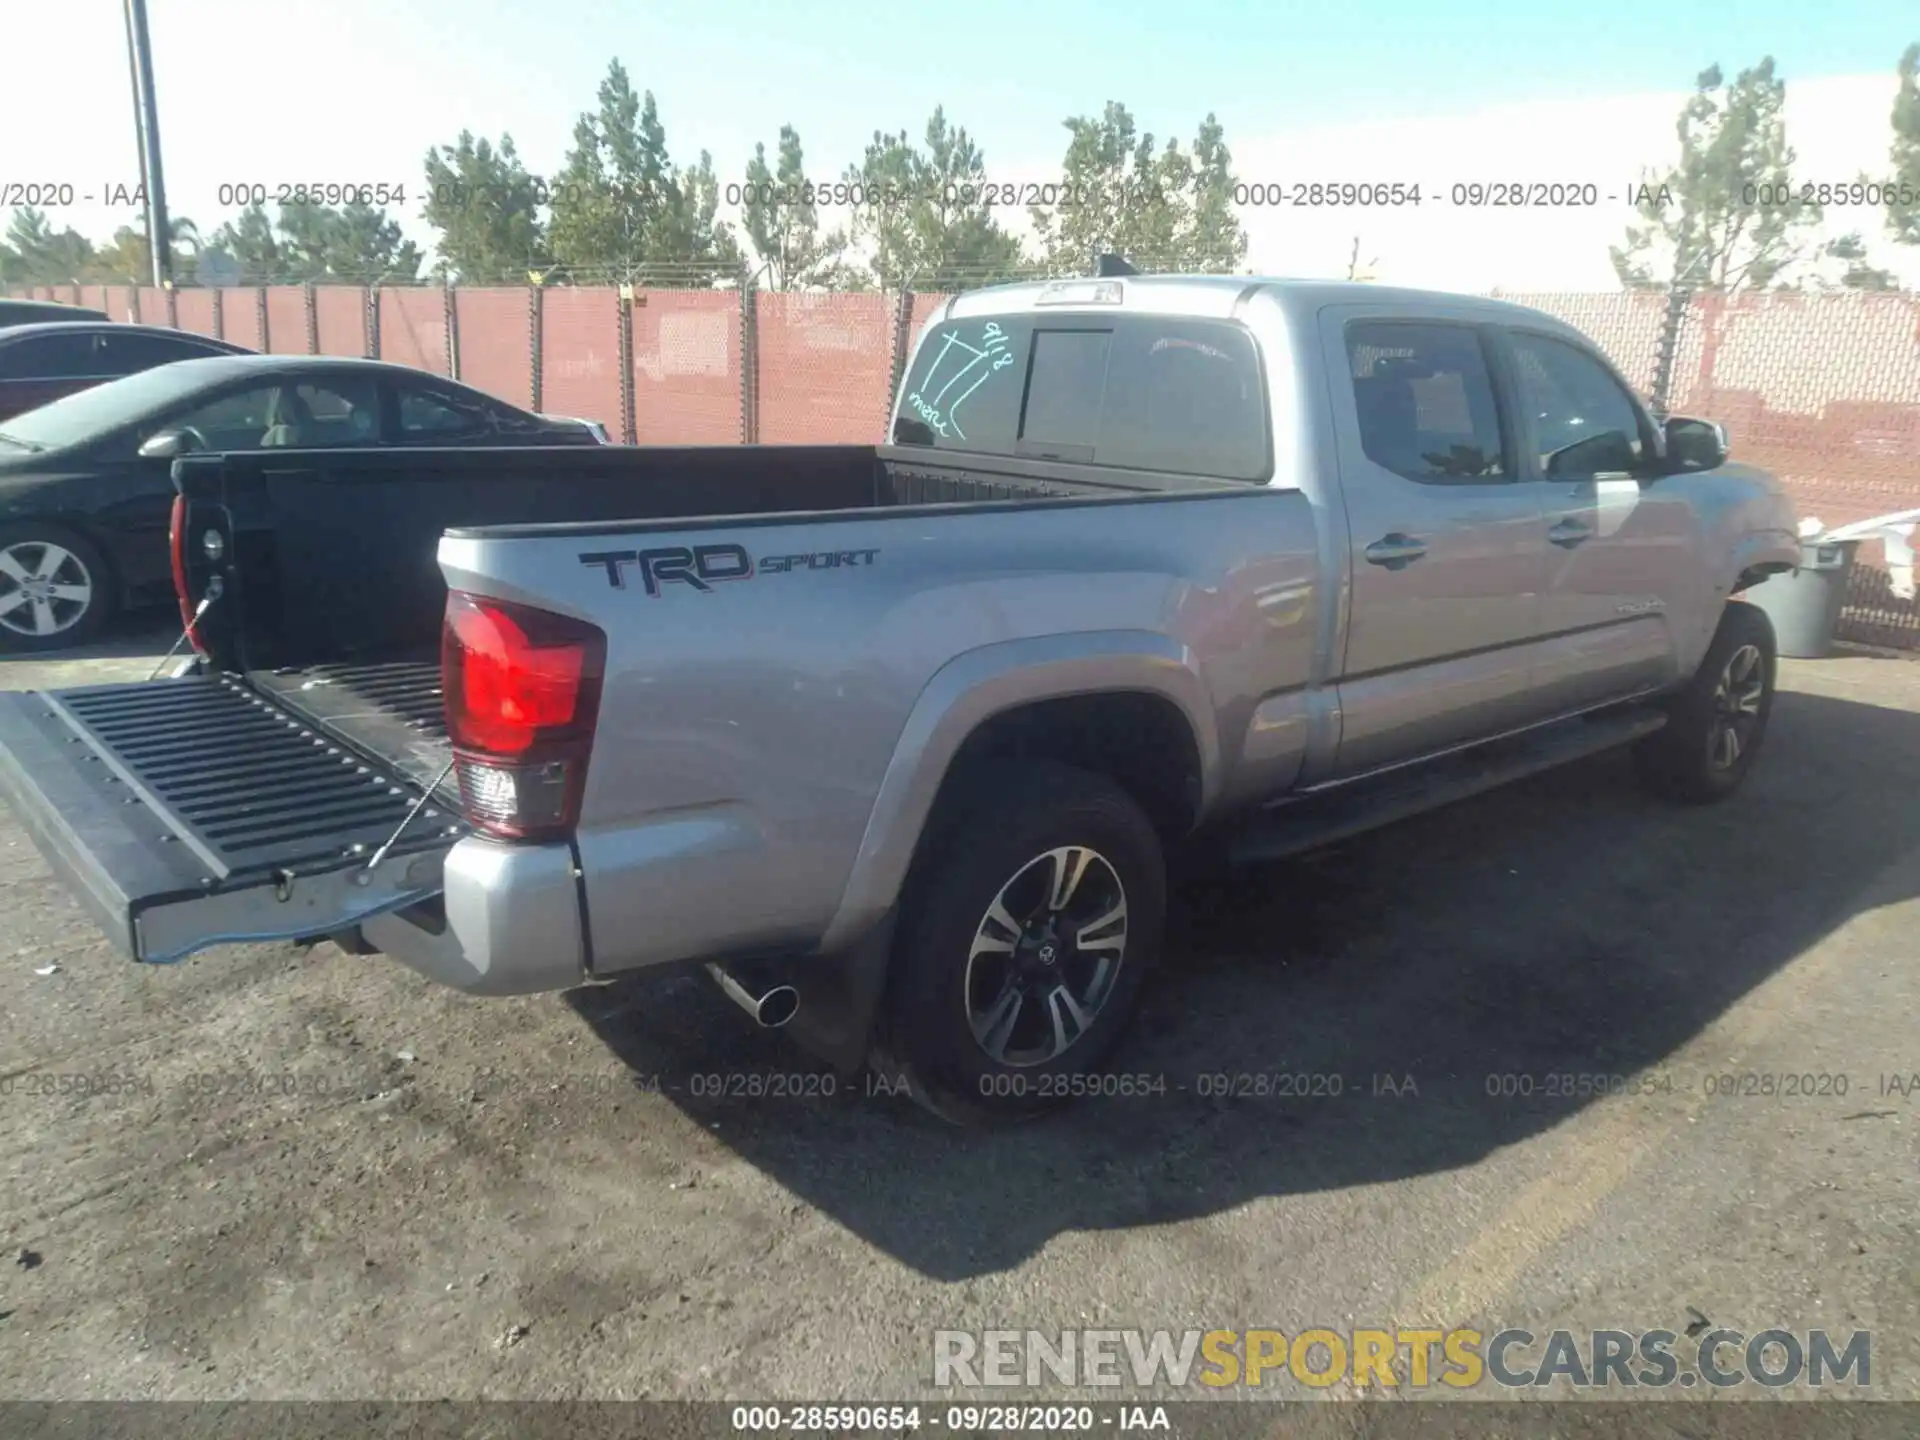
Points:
(1736, 707)
(44, 588)
(1045, 956)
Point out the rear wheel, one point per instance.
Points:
(55, 588)
(1715, 726)
(1028, 930)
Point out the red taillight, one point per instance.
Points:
(522, 693)
(177, 545)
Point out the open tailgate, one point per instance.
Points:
(190, 812)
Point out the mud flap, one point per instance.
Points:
(839, 997)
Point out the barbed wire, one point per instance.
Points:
(723, 273)
(857, 276)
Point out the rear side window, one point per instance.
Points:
(1423, 395)
(129, 354)
(1135, 392)
(50, 357)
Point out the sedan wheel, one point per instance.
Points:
(44, 589)
(54, 589)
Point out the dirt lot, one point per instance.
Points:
(411, 1175)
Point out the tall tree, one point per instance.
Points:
(693, 231)
(485, 207)
(621, 208)
(1214, 244)
(1159, 207)
(42, 255)
(357, 242)
(923, 215)
(1716, 219)
(779, 214)
(1903, 219)
(246, 248)
(127, 258)
(369, 243)
(1851, 252)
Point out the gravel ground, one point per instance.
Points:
(420, 1195)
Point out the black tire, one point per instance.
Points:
(52, 555)
(1687, 760)
(994, 841)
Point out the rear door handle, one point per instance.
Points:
(1569, 533)
(1395, 551)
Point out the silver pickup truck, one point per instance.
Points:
(898, 740)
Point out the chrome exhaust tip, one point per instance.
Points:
(770, 1008)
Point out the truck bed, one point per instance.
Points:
(390, 708)
(332, 590)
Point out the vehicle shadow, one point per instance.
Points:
(1565, 925)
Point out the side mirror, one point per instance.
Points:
(1695, 444)
(166, 445)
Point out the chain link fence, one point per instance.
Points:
(1823, 389)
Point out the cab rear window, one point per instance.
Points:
(1137, 392)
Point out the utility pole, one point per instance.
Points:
(147, 118)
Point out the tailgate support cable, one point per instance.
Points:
(365, 877)
(206, 601)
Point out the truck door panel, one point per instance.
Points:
(1448, 551)
(1619, 549)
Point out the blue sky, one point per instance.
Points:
(356, 90)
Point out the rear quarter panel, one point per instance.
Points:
(747, 732)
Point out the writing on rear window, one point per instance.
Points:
(959, 362)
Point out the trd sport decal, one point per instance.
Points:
(704, 566)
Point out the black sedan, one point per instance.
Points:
(41, 363)
(86, 485)
(42, 312)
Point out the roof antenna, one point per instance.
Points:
(1107, 267)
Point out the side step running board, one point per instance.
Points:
(1339, 813)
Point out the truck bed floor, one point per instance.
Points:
(389, 708)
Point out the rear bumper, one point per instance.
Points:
(508, 922)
